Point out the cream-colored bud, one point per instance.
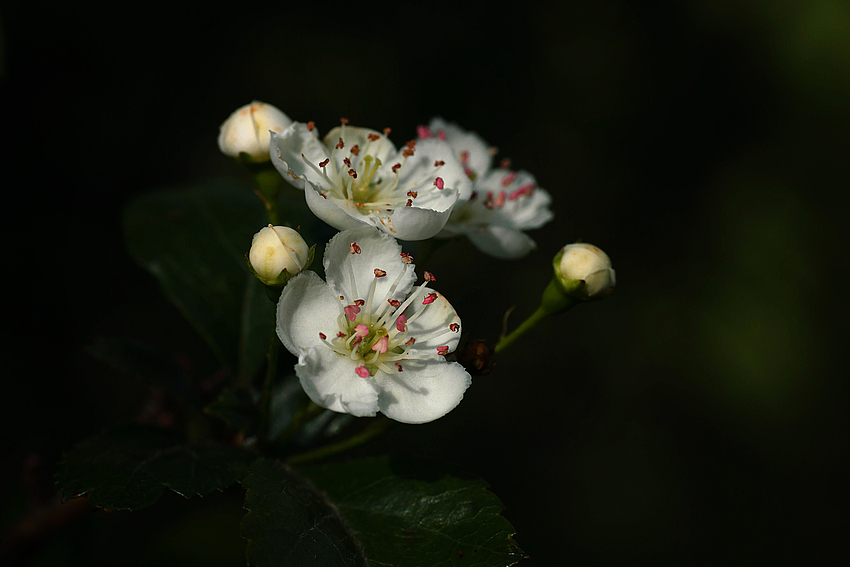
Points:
(587, 263)
(246, 131)
(274, 249)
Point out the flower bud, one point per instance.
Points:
(275, 249)
(245, 134)
(584, 271)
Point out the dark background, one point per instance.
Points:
(696, 416)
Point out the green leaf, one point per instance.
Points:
(416, 513)
(238, 408)
(194, 241)
(127, 467)
(288, 524)
(142, 361)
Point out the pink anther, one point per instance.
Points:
(379, 273)
(362, 371)
(401, 323)
(351, 312)
(355, 249)
(430, 298)
(381, 345)
(424, 132)
(439, 183)
(444, 350)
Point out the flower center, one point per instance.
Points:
(376, 333)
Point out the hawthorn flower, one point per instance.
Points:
(368, 340)
(245, 133)
(503, 203)
(356, 177)
(275, 249)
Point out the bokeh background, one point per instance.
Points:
(697, 416)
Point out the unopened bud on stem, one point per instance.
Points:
(278, 253)
(584, 271)
(245, 134)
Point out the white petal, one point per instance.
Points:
(419, 174)
(424, 391)
(340, 214)
(377, 250)
(480, 158)
(436, 319)
(381, 148)
(413, 223)
(307, 307)
(331, 382)
(286, 150)
(502, 242)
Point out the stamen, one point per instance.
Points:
(508, 179)
(387, 131)
(379, 273)
(355, 249)
(310, 126)
(454, 327)
(339, 145)
(439, 183)
(429, 277)
(424, 132)
(505, 163)
(430, 298)
(442, 135)
(381, 346)
(464, 156)
(343, 121)
(322, 336)
(324, 162)
(352, 173)
(395, 168)
(439, 162)
(406, 258)
(400, 323)
(398, 365)
(355, 149)
(362, 372)
(444, 350)
(351, 312)
(372, 137)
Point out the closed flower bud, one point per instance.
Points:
(275, 249)
(245, 134)
(584, 271)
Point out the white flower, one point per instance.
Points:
(585, 262)
(277, 248)
(246, 131)
(367, 340)
(356, 176)
(503, 203)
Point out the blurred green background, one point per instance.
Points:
(696, 416)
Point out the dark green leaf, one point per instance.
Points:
(127, 467)
(288, 524)
(194, 241)
(142, 361)
(238, 407)
(416, 513)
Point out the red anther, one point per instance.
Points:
(322, 336)
(372, 137)
(355, 249)
(324, 162)
(411, 144)
(359, 302)
(340, 334)
(442, 135)
(429, 277)
(444, 350)
(401, 323)
(473, 196)
(394, 302)
(352, 173)
(340, 144)
(379, 273)
(311, 125)
(464, 157)
(398, 365)
(410, 341)
(355, 150)
(362, 371)
(424, 132)
(492, 150)
(395, 167)
(508, 179)
(409, 203)
(470, 172)
(439, 162)
(324, 195)
(343, 120)
(342, 298)
(500, 200)
(526, 189)
(407, 152)
(430, 298)
(454, 327)
(488, 201)
(505, 163)
(346, 161)
(351, 312)
(412, 194)
(406, 258)
(439, 183)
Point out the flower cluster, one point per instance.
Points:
(368, 339)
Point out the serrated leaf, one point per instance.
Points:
(127, 467)
(416, 513)
(194, 241)
(288, 524)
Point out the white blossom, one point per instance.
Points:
(245, 133)
(356, 177)
(503, 203)
(585, 262)
(368, 340)
(277, 248)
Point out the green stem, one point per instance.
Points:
(268, 189)
(521, 330)
(372, 430)
(268, 386)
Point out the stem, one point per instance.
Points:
(268, 385)
(372, 430)
(268, 189)
(521, 330)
